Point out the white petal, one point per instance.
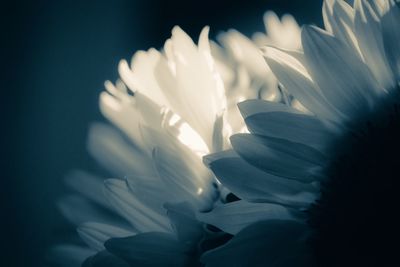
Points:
(296, 79)
(77, 210)
(252, 107)
(342, 77)
(245, 52)
(88, 185)
(339, 20)
(252, 184)
(368, 30)
(279, 157)
(112, 150)
(187, 228)
(122, 114)
(235, 216)
(141, 77)
(137, 213)
(391, 37)
(295, 127)
(187, 183)
(95, 234)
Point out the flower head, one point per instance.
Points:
(168, 109)
(316, 187)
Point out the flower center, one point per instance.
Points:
(355, 222)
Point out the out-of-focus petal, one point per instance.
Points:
(95, 234)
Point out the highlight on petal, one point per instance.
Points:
(391, 36)
(339, 20)
(296, 79)
(343, 78)
(233, 217)
(369, 35)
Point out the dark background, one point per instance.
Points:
(57, 56)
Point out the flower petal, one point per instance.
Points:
(187, 228)
(112, 150)
(343, 79)
(95, 234)
(339, 20)
(182, 179)
(279, 157)
(296, 79)
(368, 30)
(234, 216)
(391, 36)
(295, 127)
(88, 211)
(252, 184)
(137, 213)
(88, 185)
(252, 107)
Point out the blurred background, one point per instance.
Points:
(58, 55)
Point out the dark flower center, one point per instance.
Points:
(355, 222)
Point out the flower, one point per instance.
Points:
(168, 109)
(243, 68)
(317, 188)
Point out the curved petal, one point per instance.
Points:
(279, 157)
(95, 234)
(369, 35)
(108, 146)
(296, 79)
(391, 36)
(137, 213)
(339, 20)
(88, 185)
(252, 184)
(342, 77)
(233, 217)
(295, 127)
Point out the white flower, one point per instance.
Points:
(244, 70)
(168, 108)
(323, 178)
